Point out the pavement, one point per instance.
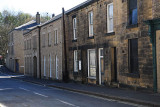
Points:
(116, 94)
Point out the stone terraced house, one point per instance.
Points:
(108, 43)
(52, 57)
(102, 42)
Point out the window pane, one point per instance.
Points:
(134, 16)
(111, 25)
(110, 18)
(110, 7)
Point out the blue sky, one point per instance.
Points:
(42, 6)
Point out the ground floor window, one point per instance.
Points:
(75, 61)
(91, 63)
(133, 55)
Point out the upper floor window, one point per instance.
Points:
(110, 26)
(24, 44)
(34, 42)
(49, 39)
(56, 37)
(43, 40)
(90, 16)
(133, 12)
(75, 28)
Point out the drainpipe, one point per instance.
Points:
(154, 59)
(65, 73)
(152, 35)
(39, 38)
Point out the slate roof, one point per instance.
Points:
(26, 25)
(82, 5)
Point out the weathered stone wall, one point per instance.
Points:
(18, 51)
(32, 53)
(105, 40)
(53, 50)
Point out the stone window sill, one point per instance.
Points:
(91, 37)
(132, 75)
(75, 73)
(110, 34)
(74, 40)
(93, 78)
(132, 26)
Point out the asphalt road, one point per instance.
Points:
(16, 93)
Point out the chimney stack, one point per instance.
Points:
(38, 18)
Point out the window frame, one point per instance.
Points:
(130, 19)
(49, 39)
(108, 18)
(90, 20)
(56, 36)
(75, 28)
(75, 60)
(130, 66)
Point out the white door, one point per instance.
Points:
(50, 61)
(158, 58)
(101, 66)
(44, 66)
(57, 68)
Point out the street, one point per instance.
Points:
(16, 93)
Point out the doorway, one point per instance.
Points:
(113, 64)
(17, 65)
(101, 66)
(158, 58)
(35, 66)
(44, 66)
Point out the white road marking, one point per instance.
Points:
(5, 89)
(25, 104)
(40, 94)
(67, 103)
(23, 89)
(1, 105)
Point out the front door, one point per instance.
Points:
(17, 65)
(158, 58)
(101, 66)
(113, 65)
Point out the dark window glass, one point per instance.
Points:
(133, 12)
(133, 55)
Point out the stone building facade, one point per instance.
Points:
(15, 51)
(31, 52)
(15, 55)
(52, 58)
(108, 43)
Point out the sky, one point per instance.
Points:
(42, 6)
